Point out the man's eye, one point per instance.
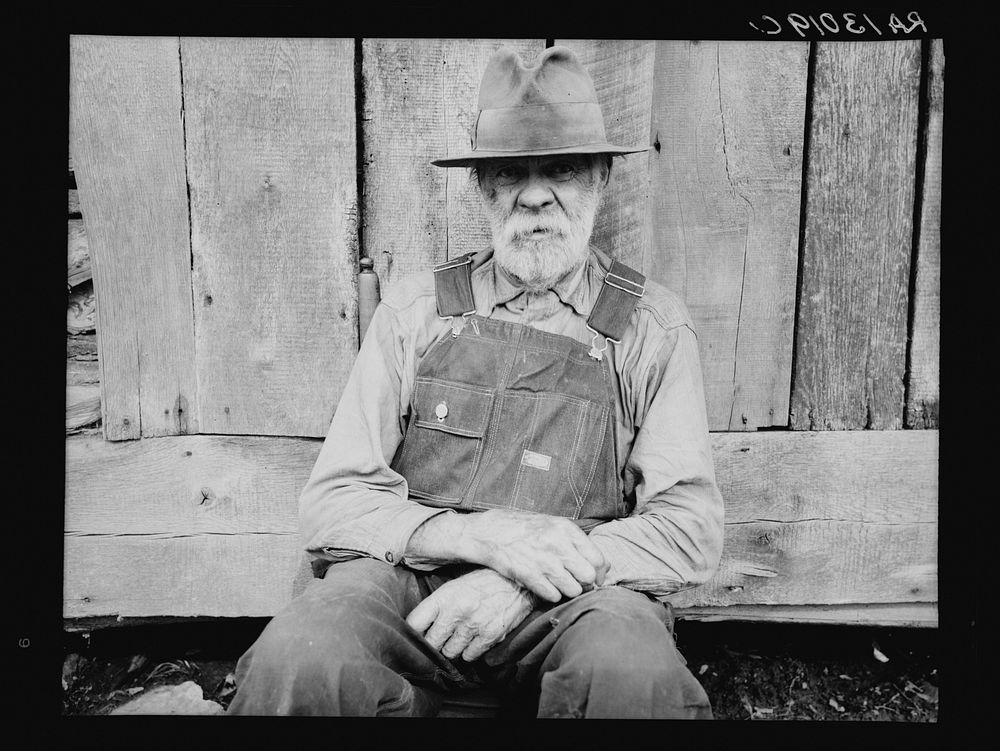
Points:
(506, 173)
(562, 170)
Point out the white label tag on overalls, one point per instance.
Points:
(538, 461)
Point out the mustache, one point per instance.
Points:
(518, 226)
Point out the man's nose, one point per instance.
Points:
(536, 194)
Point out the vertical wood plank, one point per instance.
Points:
(271, 163)
(420, 102)
(851, 353)
(622, 71)
(925, 343)
(128, 160)
(724, 198)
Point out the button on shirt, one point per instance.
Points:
(355, 505)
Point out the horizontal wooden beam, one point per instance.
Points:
(207, 525)
(899, 614)
(83, 405)
(83, 382)
(78, 268)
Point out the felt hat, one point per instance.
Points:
(536, 110)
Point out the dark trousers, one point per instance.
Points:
(343, 647)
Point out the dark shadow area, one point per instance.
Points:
(767, 671)
(758, 671)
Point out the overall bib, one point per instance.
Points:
(505, 416)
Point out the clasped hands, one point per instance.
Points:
(524, 557)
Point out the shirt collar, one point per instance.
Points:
(578, 290)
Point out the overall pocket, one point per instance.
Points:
(541, 455)
(558, 460)
(444, 439)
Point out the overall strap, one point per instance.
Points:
(623, 286)
(453, 287)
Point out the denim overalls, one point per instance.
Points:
(505, 416)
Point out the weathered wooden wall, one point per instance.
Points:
(127, 141)
(852, 330)
(724, 204)
(223, 190)
(270, 129)
(925, 334)
(207, 525)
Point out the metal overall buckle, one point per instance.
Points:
(598, 354)
(457, 323)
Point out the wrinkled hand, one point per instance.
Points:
(549, 555)
(468, 615)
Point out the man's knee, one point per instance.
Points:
(324, 645)
(624, 632)
(618, 658)
(330, 620)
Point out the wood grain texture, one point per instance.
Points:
(82, 347)
(925, 336)
(83, 383)
(208, 525)
(900, 615)
(128, 159)
(851, 337)
(186, 485)
(218, 575)
(271, 165)
(877, 477)
(77, 253)
(827, 561)
(83, 406)
(817, 518)
(420, 103)
(724, 204)
(622, 71)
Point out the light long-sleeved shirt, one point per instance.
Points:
(354, 504)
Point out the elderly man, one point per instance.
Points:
(519, 467)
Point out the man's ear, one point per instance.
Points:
(608, 161)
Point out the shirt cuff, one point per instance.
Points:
(391, 541)
(388, 543)
(642, 573)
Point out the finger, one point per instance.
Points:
(439, 633)
(477, 648)
(538, 583)
(459, 640)
(594, 557)
(581, 570)
(529, 572)
(565, 583)
(422, 616)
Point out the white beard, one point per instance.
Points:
(539, 262)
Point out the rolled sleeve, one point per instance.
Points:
(354, 504)
(673, 539)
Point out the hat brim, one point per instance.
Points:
(470, 158)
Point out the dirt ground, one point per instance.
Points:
(750, 671)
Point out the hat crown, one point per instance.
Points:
(557, 76)
(546, 108)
